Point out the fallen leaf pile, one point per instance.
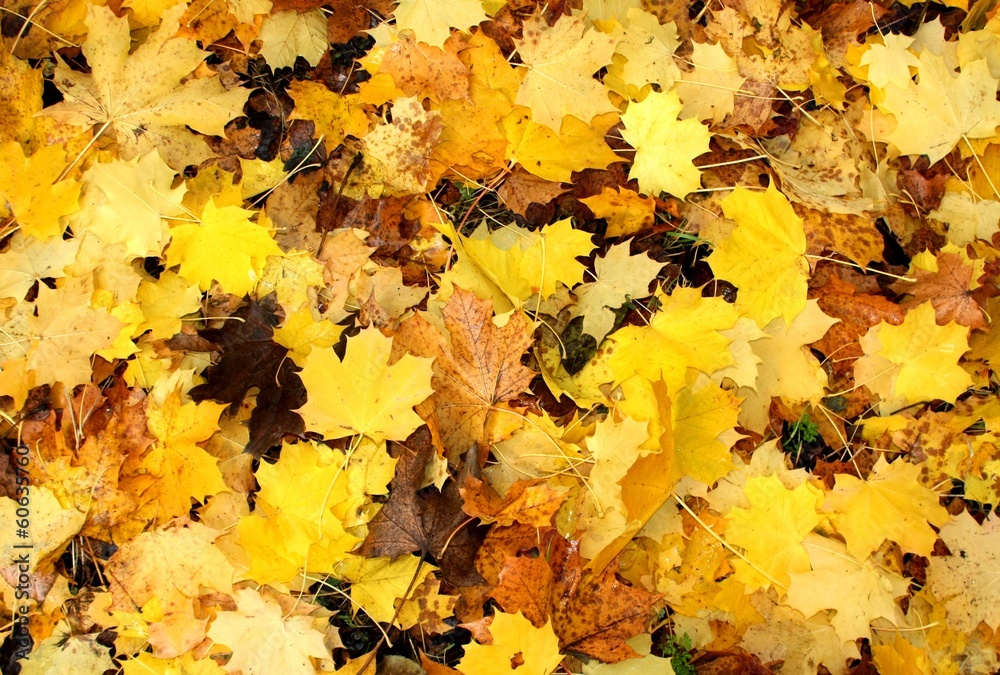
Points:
(492, 336)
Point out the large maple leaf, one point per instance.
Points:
(140, 97)
(476, 370)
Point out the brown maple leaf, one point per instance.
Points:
(542, 577)
(427, 521)
(251, 358)
(479, 367)
(948, 290)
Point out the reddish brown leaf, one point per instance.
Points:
(427, 521)
(947, 290)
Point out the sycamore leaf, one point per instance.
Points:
(195, 247)
(363, 394)
(288, 35)
(561, 61)
(764, 256)
(432, 20)
(517, 647)
(140, 96)
(933, 115)
(915, 361)
(891, 504)
(618, 278)
(664, 145)
(28, 185)
(265, 639)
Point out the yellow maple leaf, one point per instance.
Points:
(512, 264)
(860, 591)
(128, 202)
(164, 301)
(517, 647)
(684, 333)
(618, 277)
(59, 334)
(891, 504)
(27, 260)
(28, 186)
(915, 361)
(183, 470)
(648, 47)
(397, 154)
(300, 333)
(625, 211)
(764, 256)
(139, 96)
(195, 247)
(561, 62)
(664, 145)
(709, 91)
(336, 116)
(265, 638)
(932, 116)
(771, 531)
(555, 156)
(285, 36)
(432, 20)
(378, 584)
(362, 394)
(299, 517)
